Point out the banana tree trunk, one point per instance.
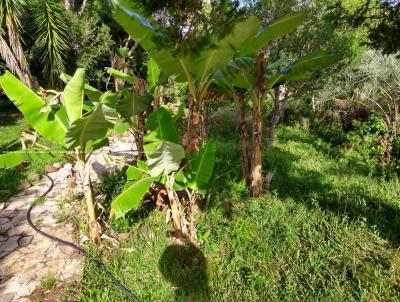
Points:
(244, 137)
(256, 169)
(139, 134)
(257, 176)
(280, 101)
(194, 125)
(94, 226)
(174, 207)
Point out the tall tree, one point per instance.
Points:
(11, 51)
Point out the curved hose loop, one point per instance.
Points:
(81, 251)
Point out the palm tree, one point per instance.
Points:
(11, 50)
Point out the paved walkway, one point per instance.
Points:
(26, 257)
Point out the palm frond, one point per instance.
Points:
(51, 41)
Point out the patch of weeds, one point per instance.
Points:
(70, 293)
(49, 283)
(38, 222)
(62, 216)
(38, 201)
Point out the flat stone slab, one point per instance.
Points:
(26, 257)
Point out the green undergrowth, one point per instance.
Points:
(11, 128)
(328, 231)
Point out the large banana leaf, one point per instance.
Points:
(131, 197)
(153, 72)
(166, 158)
(162, 127)
(13, 159)
(52, 129)
(304, 68)
(92, 93)
(129, 16)
(73, 95)
(90, 127)
(274, 31)
(210, 60)
(122, 75)
(132, 104)
(201, 168)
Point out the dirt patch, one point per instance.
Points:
(65, 292)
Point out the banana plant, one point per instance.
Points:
(246, 38)
(167, 167)
(250, 75)
(135, 100)
(71, 123)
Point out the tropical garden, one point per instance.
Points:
(264, 144)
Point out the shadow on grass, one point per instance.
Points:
(185, 267)
(313, 189)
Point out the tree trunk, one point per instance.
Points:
(244, 137)
(257, 177)
(280, 101)
(83, 6)
(203, 128)
(194, 124)
(69, 4)
(174, 207)
(94, 226)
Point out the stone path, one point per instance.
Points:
(26, 257)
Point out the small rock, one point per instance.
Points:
(4, 195)
(24, 185)
(50, 169)
(123, 237)
(84, 239)
(33, 177)
(58, 165)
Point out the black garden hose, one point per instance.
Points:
(82, 251)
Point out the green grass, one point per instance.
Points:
(49, 283)
(11, 127)
(327, 232)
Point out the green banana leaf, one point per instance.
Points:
(272, 32)
(132, 104)
(73, 96)
(153, 72)
(90, 127)
(304, 68)
(129, 16)
(162, 127)
(12, 159)
(92, 93)
(131, 197)
(166, 158)
(51, 128)
(201, 168)
(131, 79)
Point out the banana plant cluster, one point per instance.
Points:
(251, 80)
(66, 120)
(183, 178)
(197, 70)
